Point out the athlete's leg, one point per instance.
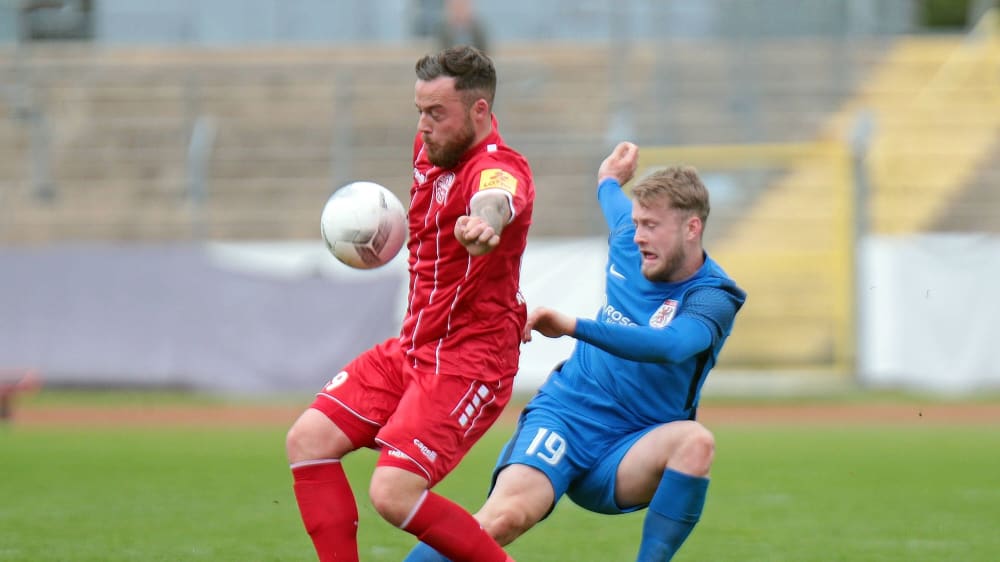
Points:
(345, 415)
(533, 471)
(438, 419)
(315, 446)
(402, 498)
(668, 469)
(522, 497)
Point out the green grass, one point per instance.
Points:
(778, 494)
(870, 494)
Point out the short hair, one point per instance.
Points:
(473, 71)
(678, 186)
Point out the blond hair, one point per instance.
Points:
(678, 186)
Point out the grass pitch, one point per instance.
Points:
(802, 493)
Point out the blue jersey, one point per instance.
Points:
(643, 360)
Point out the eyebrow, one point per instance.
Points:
(431, 107)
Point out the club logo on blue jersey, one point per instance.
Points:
(664, 314)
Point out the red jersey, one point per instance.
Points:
(465, 314)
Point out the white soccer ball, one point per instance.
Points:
(363, 225)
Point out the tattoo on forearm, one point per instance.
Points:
(495, 210)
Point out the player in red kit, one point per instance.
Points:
(423, 399)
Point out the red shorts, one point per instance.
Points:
(423, 422)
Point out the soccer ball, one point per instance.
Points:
(363, 225)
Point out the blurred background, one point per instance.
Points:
(163, 167)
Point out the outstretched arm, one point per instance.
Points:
(479, 231)
(550, 323)
(682, 339)
(708, 314)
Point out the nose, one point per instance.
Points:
(424, 124)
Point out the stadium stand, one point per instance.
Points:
(95, 145)
(935, 104)
(113, 127)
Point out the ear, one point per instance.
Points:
(480, 108)
(694, 228)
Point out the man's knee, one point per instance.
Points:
(313, 436)
(506, 523)
(387, 503)
(297, 442)
(697, 450)
(394, 493)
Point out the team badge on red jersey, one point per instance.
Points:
(441, 186)
(664, 314)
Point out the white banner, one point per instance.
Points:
(564, 274)
(928, 310)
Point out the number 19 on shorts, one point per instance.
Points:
(548, 446)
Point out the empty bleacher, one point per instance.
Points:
(94, 145)
(935, 106)
(104, 134)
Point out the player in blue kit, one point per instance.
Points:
(614, 426)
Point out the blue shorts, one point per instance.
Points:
(579, 455)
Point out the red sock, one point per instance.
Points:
(328, 510)
(452, 531)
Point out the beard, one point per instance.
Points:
(671, 264)
(448, 154)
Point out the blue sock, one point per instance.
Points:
(424, 553)
(672, 514)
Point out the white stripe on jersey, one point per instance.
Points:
(413, 284)
(437, 256)
(430, 299)
(413, 287)
(451, 311)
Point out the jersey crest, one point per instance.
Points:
(664, 314)
(441, 186)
